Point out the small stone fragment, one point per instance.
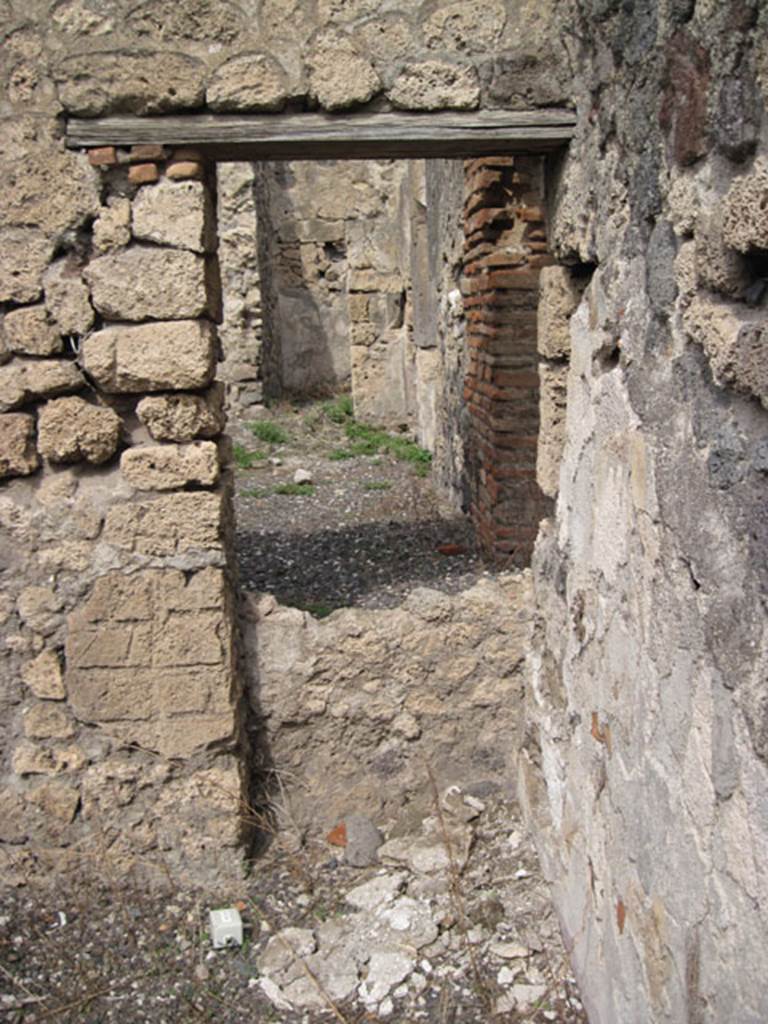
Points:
(56, 800)
(33, 759)
(18, 454)
(24, 255)
(363, 839)
(250, 81)
(181, 170)
(379, 890)
(25, 380)
(48, 721)
(73, 430)
(168, 467)
(302, 476)
(43, 676)
(112, 228)
(29, 332)
(67, 298)
(436, 85)
(40, 609)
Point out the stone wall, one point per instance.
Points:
(122, 706)
(358, 706)
(645, 768)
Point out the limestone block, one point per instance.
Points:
(183, 417)
(142, 283)
(45, 186)
(28, 380)
(72, 430)
(552, 405)
(34, 759)
(176, 355)
(250, 81)
(129, 81)
(67, 298)
(168, 467)
(559, 295)
(339, 76)
(735, 340)
(29, 332)
(718, 267)
(43, 676)
(468, 26)
(56, 800)
(24, 255)
(168, 525)
(177, 213)
(18, 455)
(220, 22)
(46, 722)
(745, 220)
(436, 85)
(112, 228)
(40, 609)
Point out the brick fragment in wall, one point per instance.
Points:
(144, 283)
(143, 174)
(27, 380)
(102, 156)
(73, 430)
(28, 331)
(184, 417)
(67, 298)
(178, 214)
(18, 454)
(170, 525)
(174, 355)
(166, 467)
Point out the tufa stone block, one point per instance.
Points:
(559, 295)
(436, 85)
(183, 417)
(24, 381)
(43, 676)
(48, 721)
(29, 332)
(745, 222)
(73, 430)
(176, 213)
(24, 255)
(168, 467)
(339, 76)
(250, 81)
(112, 228)
(34, 759)
(173, 356)
(169, 525)
(18, 454)
(67, 298)
(143, 283)
(735, 341)
(181, 170)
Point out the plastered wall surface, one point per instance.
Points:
(645, 765)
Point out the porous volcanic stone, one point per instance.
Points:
(339, 76)
(73, 430)
(43, 676)
(436, 85)
(28, 332)
(250, 81)
(143, 283)
(24, 255)
(183, 417)
(177, 213)
(172, 356)
(18, 455)
(25, 380)
(745, 224)
(67, 298)
(167, 467)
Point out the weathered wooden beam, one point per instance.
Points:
(324, 136)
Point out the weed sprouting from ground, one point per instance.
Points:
(340, 410)
(295, 489)
(245, 459)
(268, 432)
(365, 440)
(377, 485)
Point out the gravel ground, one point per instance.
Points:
(106, 951)
(371, 531)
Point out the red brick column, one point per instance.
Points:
(505, 247)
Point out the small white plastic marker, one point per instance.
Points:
(226, 928)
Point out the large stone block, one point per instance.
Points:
(735, 340)
(209, 23)
(178, 213)
(169, 525)
(436, 85)
(29, 332)
(184, 417)
(129, 81)
(18, 455)
(143, 283)
(339, 76)
(24, 255)
(67, 298)
(559, 295)
(72, 430)
(28, 380)
(745, 222)
(250, 81)
(173, 356)
(168, 467)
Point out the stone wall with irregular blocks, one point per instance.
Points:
(645, 766)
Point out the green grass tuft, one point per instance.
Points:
(268, 432)
(339, 454)
(376, 485)
(340, 410)
(255, 492)
(244, 458)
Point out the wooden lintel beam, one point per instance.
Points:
(325, 136)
